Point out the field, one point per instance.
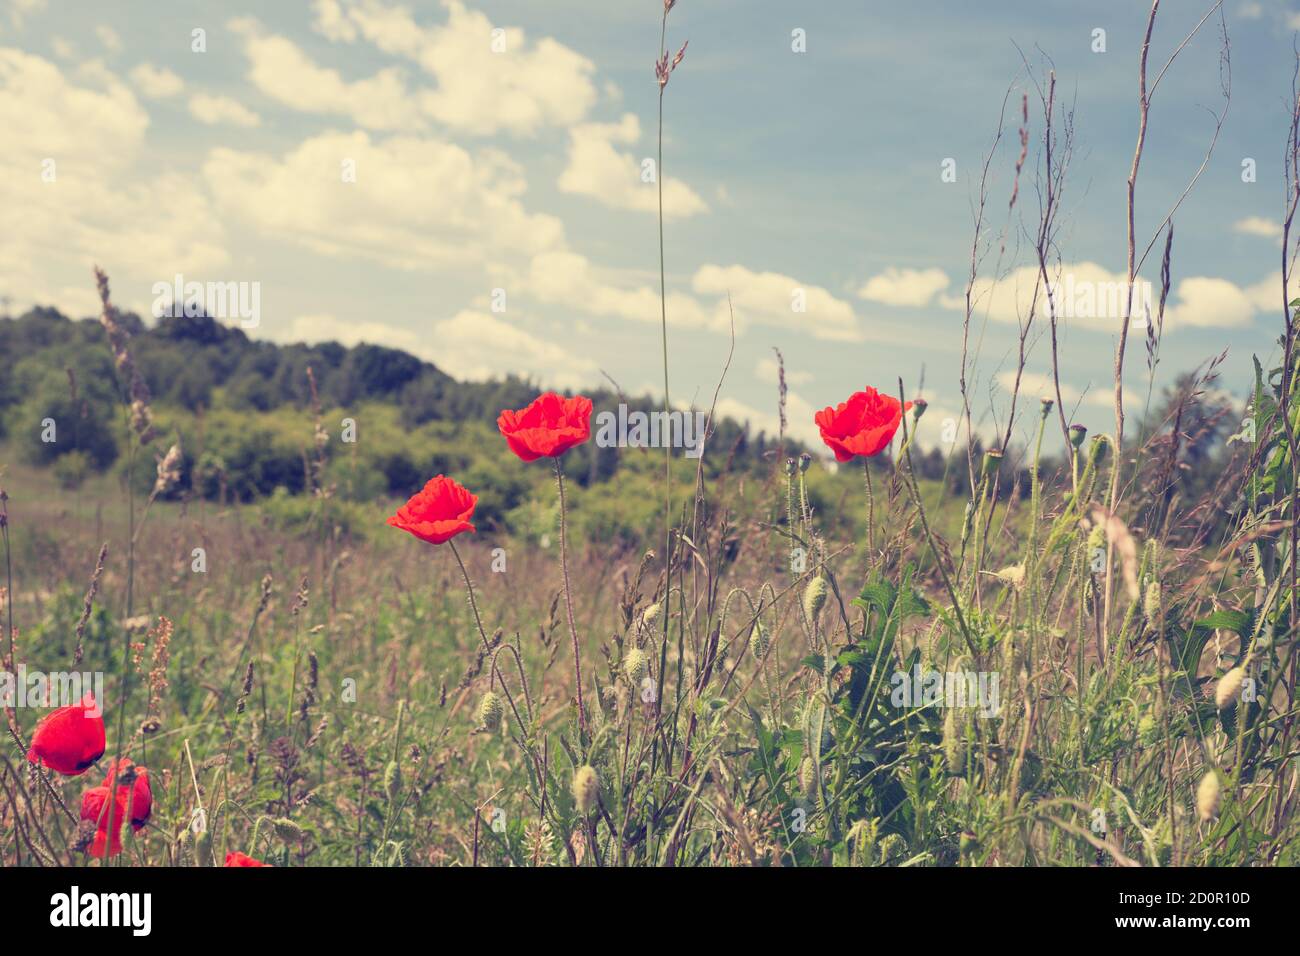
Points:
(335, 607)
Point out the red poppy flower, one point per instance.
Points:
(548, 427)
(862, 426)
(93, 809)
(140, 800)
(70, 739)
(242, 859)
(437, 512)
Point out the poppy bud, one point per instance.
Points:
(1097, 450)
(490, 711)
(1229, 687)
(1077, 434)
(758, 641)
(919, 405)
(287, 830)
(1045, 406)
(804, 461)
(814, 596)
(586, 789)
(789, 466)
(992, 461)
(1207, 796)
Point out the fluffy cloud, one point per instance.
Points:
(214, 110)
(282, 71)
(1258, 226)
(599, 170)
(906, 287)
(469, 345)
(155, 82)
(772, 299)
(415, 203)
(566, 278)
(69, 203)
(1091, 296)
(520, 89)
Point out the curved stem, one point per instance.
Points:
(472, 603)
(568, 595)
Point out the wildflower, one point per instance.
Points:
(1207, 796)
(862, 426)
(586, 788)
(93, 811)
(139, 797)
(438, 512)
(1229, 687)
(1013, 574)
(236, 858)
(490, 711)
(69, 740)
(814, 596)
(635, 666)
(548, 427)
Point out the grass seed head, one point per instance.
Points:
(586, 788)
(759, 642)
(814, 596)
(1207, 796)
(490, 711)
(635, 666)
(1229, 687)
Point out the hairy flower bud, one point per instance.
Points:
(814, 596)
(635, 666)
(490, 711)
(586, 788)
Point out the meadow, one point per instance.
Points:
(471, 637)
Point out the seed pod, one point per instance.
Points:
(1077, 434)
(287, 830)
(1045, 406)
(490, 711)
(1207, 796)
(393, 779)
(635, 666)
(759, 641)
(1097, 450)
(992, 461)
(814, 596)
(919, 405)
(586, 789)
(804, 461)
(790, 466)
(1229, 687)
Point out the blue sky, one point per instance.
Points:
(520, 169)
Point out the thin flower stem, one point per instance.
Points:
(568, 594)
(472, 602)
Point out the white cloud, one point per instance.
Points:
(563, 277)
(214, 110)
(769, 373)
(1206, 302)
(771, 298)
(1258, 226)
(1250, 10)
(470, 345)
(156, 82)
(69, 203)
(799, 414)
(904, 287)
(109, 38)
(523, 88)
(416, 202)
(282, 71)
(597, 169)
